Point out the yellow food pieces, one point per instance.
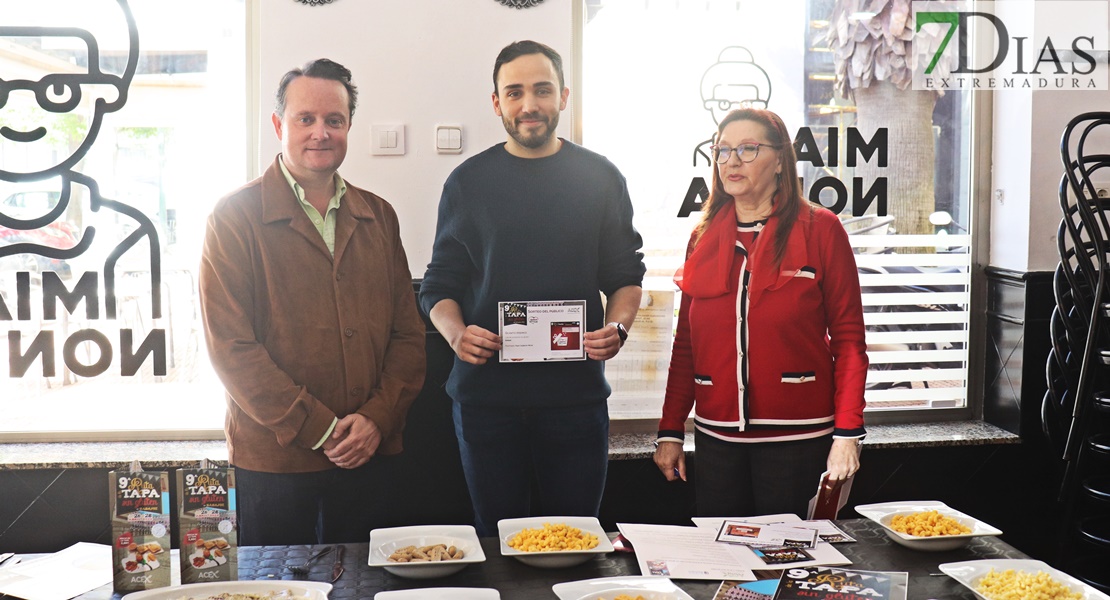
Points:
(624, 597)
(927, 524)
(553, 538)
(1015, 585)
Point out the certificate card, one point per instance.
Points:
(542, 331)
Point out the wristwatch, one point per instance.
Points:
(621, 331)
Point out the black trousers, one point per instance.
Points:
(747, 480)
(325, 507)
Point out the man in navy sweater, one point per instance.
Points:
(536, 218)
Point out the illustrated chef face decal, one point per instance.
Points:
(82, 55)
(75, 84)
(733, 82)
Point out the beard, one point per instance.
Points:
(534, 140)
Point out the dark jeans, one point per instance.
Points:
(324, 507)
(562, 451)
(747, 480)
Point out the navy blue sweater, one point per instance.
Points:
(554, 228)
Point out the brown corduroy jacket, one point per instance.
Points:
(298, 337)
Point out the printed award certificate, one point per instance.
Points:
(542, 331)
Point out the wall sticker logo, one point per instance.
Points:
(61, 240)
(994, 45)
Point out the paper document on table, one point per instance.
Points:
(60, 576)
(755, 534)
(684, 553)
(828, 531)
(785, 557)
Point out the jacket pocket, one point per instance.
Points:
(806, 272)
(801, 377)
(702, 380)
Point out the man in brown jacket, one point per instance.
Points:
(312, 326)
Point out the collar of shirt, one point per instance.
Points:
(326, 225)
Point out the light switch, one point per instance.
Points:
(449, 139)
(387, 139)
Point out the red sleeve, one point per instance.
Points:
(847, 335)
(679, 399)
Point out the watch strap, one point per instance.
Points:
(621, 331)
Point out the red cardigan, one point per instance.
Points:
(793, 364)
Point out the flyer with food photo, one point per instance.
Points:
(781, 555)
(206, 515)
(773, 535)
(140, 515)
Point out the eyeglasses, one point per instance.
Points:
(745, 152)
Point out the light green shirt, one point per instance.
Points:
(326, 226)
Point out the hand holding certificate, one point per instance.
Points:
(542, 331)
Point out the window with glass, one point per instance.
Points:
(895, 164)
(121, 124)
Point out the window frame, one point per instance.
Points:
(252, 18)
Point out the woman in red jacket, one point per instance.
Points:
(770, 351)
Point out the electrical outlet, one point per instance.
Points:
(1102, 189)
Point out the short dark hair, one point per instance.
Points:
(321, 68)
(523, 48)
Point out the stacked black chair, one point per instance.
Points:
(1075, 412)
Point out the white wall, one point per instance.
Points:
(1027, 166)
(422, 62)
(417, 62)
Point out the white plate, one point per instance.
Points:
(437, 593)
(312, 590)
(884, 512)
(969, 572)
(386, 541)
(651, 588)
(507, 528)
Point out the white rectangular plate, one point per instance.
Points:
(882, 513)
(969, 572)
(651, 588)
(507, 528)
(440, 594)
(385, 541)
(311, 590)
